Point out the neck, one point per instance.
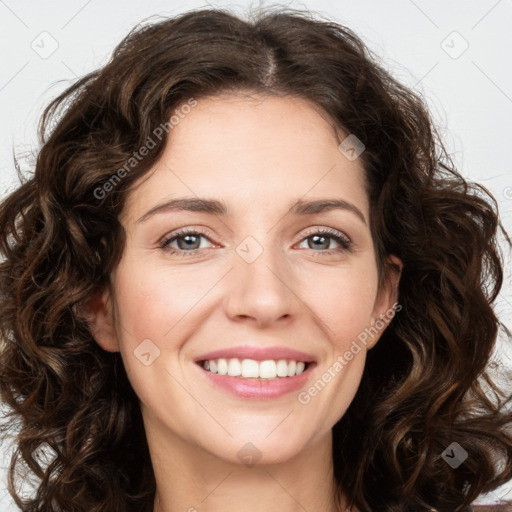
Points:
(190, 479)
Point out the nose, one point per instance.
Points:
(261, 292)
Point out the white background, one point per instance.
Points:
(468, 89)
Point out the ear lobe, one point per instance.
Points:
(97, 312)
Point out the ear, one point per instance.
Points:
(386, 302)
(97, 312)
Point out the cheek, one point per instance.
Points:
(343, 300)
(147, 347)
(157, 310)
(146, 312)
(152, 302)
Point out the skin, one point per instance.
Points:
(258, 155)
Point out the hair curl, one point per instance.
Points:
(422, 385)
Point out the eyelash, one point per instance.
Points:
(344, 242)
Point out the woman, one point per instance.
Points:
(246, 275)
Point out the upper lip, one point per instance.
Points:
(257, 353)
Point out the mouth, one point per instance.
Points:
(256, 379)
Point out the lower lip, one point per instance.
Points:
(258, 388)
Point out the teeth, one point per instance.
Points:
(234, 368)
(268, 369)
(250, 368)
(222, 366)
(282, 368)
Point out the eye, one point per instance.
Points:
(321, 239)
(188, 242)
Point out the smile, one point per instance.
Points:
(274, 385)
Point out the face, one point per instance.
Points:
(254, 264)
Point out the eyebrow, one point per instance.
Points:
(215, 207)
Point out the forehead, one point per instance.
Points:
(252, 150)
(246, 122)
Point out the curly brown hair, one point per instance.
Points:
(422, 387)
